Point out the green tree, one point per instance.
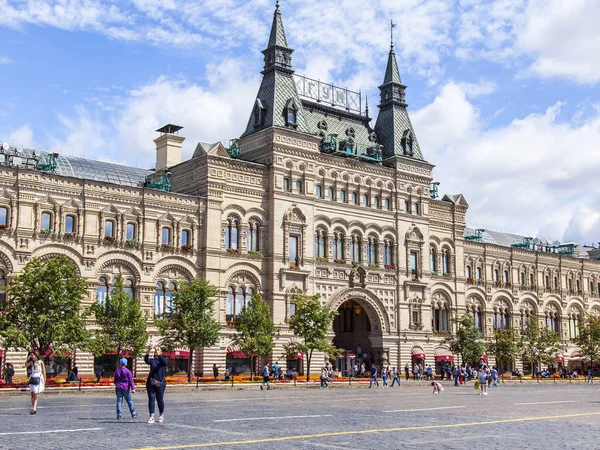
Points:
(505, 345)
(254, 329)
(122, 328)
(467, 342)
(312, 322)
(588, 339)
(540, 344)
(42, 311)
(190, 322)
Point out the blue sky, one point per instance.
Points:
(504, 95)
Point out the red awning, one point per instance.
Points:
(177, 354)
(237, 355)
(296, 356)
(576, 354)
(417, 353)
(442, 354)
(0, 352)
(484, 357)
(560, 359)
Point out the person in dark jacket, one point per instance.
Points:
(157, 382)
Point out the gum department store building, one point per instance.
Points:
(310, 199)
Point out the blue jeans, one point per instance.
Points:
(122, 393)
(456, 380)
(384, 378)
(374, 379)
(396, 379)
(156, 394)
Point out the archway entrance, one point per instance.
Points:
(359, 333)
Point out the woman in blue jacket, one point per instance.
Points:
(157, 381)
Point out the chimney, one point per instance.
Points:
(168, 147)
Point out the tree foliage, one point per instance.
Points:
(588, 339)
(121, 326)
(42, 308)
(467, 342)
(254, 329)
(539, 343)
(505, 345)
(190, 322)
(312, 322)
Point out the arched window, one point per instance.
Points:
(501, 318)
(185, 237)
(445, 261)
(342, 195)
(506, 276)
(101, 290)
(252, 237)
(475, 311)
(496, 275)
(231, 234)
(109, 229)
(365, 200)
(372, 245)
(388, 260)
(570, 285)
(354, 198)
(163, 298)
(526, 314)
(574, 323)
(128, 288)
(552, 320)
(69, 224)
(47, 221)
(321, 244)
(355, 249)
(478, 273)
(166, 236)
(249, 293)
(330, 193)
(130, 232)
(440, 316)
(469, 273)
(229, 305)
(239, 300)
(338, 246)
(376, 202)
(433, 260)
(287, 186)
(235, 300)
(3, 216)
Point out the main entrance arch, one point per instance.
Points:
(359, 328)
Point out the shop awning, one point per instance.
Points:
(442, 354)
(177, 354)
(0, 353)
(576, 354)
(297, 355)
(417, 353)
(234, 352)
(484, 357)
(560, 359)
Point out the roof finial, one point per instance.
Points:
(367, 105)
(392, 26)
(276, 5)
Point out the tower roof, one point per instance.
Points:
(277, 36)
(392, 74)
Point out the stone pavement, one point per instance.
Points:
(522, 416)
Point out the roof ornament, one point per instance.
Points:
(366, 105)
(392, 26)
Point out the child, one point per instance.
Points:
(124, 387)
(437, 387)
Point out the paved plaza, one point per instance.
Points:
(548, 417)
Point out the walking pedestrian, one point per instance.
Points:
(37, 379)
(456, 375)
(9, 373)
(416, 371)
(98, 371)
(407, 372)
(324, 377)
(373, 376)
(216, 371)
(494, 375)
(396, 376)
(124, 387)
(384, 375)
(157, 382)
(590, 378)
(482, 376)
(265, 378)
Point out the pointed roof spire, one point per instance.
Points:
(277, 37)
(392, 74)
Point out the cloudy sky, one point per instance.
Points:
(504, 94)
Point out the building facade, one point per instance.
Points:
(310, 199)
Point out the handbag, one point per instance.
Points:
(34, 381)
(154, 382)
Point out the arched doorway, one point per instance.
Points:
(357, 331)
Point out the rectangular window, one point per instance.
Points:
(3, 216)
(293, 244)
(386, 203)
(354, 197)
(292, 309)
(130, 231)
(330, 193)
(376, 202)
(413, 264)
(69, 224)
(299, 187)
(416, 208)
(318, 191)
(469, 274)
(407, 206)
(365, 200)
(496, 275)
(185, 237)
(478, 273)
(46, 221)
(286, 184)
(166, 236)
(109, 228)
(432, 262)
(506, 276)
(342, 195)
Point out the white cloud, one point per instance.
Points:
(213, 113)
(536, 175)
(22, 136)
(5, 60)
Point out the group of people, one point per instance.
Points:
(156, 383)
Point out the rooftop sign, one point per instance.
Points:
(329, 94)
